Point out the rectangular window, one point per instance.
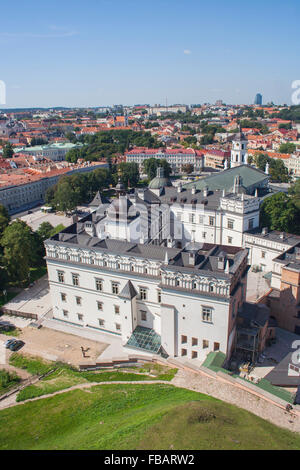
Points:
(184, 352)
(194, 354)
(230, 223)
(216, 346)
(80, 316)
(61, 277)
(115, 288)
(101, 322)
(250, 224)
(203, 234)
(192, 218)
(211, 221)
(207, 314)
(159, 296)
(118, 327)
(99, 284)
(117, 310)
(99, 305)
(229, 240)
(65, 313)
(143, 293)
(205, 344)
(63, 297)
(78, 300)
(194, 341)
(183, 339)
(75, 279)
(143, 315)
(263, 254)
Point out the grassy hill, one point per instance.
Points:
(133, 416)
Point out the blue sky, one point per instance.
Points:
(102, 52)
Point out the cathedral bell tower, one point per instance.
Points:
(239, 154)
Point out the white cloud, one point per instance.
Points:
(187, 51)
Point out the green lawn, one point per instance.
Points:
(65, 376)
(7, 381)
(133, 416)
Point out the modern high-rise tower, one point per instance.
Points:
(258, 99)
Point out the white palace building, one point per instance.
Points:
(163, 268)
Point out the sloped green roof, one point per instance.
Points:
(225, 179)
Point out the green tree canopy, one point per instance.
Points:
(8, 151)
(288, 147)
(19, 250)
(278, 212)
(4, 218)
(151, 165)
(129, 173)
(65, 198)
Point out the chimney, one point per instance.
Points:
(205, 191)
(193, 189)
(227, 267)
(179, 188)
(282, 236)
(221, 262)
(192, 259)
(264, 231)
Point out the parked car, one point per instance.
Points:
(9, 342)
(16, 345)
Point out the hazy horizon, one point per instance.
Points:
(101, 53)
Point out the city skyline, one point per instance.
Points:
(64, 54)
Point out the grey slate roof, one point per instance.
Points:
(98, 200)
(128, 291)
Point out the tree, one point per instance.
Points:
(4, 218)
(288, 147)
(19, 250)
(49, 195)
(278, 212)
(73, 155)
(151, 165)
(45, 230)
(294, 192)
(38, 141)
(8, 151)
(65, 198)
(130, 175)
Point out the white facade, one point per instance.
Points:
(193, 311)
(265, 247)
(239, 154)
(176, 158)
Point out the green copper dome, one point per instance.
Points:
(160, 180)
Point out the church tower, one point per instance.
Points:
(239, 154)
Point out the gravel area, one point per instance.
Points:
(236, 396)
